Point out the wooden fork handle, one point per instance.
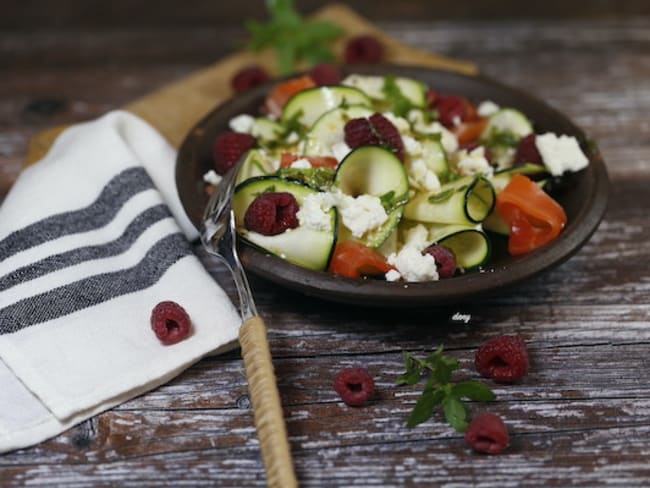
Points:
(267, 409)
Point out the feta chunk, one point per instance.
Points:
(413, 265)
(560, 154)
(242, 123)
(400, 123)
(361, 214)
(393, 275)
(340, 150)
(313, 212)
(292, 138)
(447, 138)
(487, 108)
(417, 237)
(212, 178)
(302, 163)
(412, 146)
(421, 176)
(473, 162)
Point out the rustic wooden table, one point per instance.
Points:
(582, 415)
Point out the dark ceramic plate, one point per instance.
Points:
(584, 199)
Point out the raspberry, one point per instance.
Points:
(228, 148)
(326, 74)
(272, 213)
(450, 110)
(363, 49)
(527, 151)
(487, 433)
(355, 386)
(374, 131)
(445, 260)
(503, 358)
(170, 322)
(359, 132)
(249, 77)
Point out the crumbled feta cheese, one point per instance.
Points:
(400, 123)
(473, 162)
(412, 146)
(447, 138)
(302, 163)
(421, 176)
(292, 138)
(361, 214)
(313, 212)
(560, 154)
(393, 275)
(456, 120)
(413, 265)
(417, 237)
(242, 123)
(211, 177)
(340, 150)
(487, 108)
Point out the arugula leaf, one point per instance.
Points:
(440, 390)
(293, 38)
(400, 105)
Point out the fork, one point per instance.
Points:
(218, 236)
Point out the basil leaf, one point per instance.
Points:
(455, 413)
(474, 390)
(423, 409)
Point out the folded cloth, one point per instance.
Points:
(92, 237)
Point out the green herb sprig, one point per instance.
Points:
(293, 38)
(439, 390)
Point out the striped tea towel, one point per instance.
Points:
(92, 237)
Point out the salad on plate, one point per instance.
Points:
(383, 177)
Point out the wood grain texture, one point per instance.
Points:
(580, 418)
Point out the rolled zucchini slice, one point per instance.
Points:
(329, 129)
(375, 171)
(468, 200)
(308, 105)
(470, 245)
(304, 246)
(255, 164)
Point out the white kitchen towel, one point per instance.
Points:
(92, 237)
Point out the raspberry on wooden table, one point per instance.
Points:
(503, 358)
(249, 77)
(487, 433)
(228, 148)
(170, 322)
(364, 49)
(325, 74)
(355, 386)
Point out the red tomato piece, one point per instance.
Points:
(287, 159)
(533, 216)
(281, 93)
(354, 260)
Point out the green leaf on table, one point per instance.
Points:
(439, 389)
(456, 413)
(474, 390)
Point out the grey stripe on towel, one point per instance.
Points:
(75, 256)
(95, 289)
(116, 192)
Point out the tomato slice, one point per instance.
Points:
(533, 216)
(287, 159)
(469, 132)
(354, 260)
(282, 92)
